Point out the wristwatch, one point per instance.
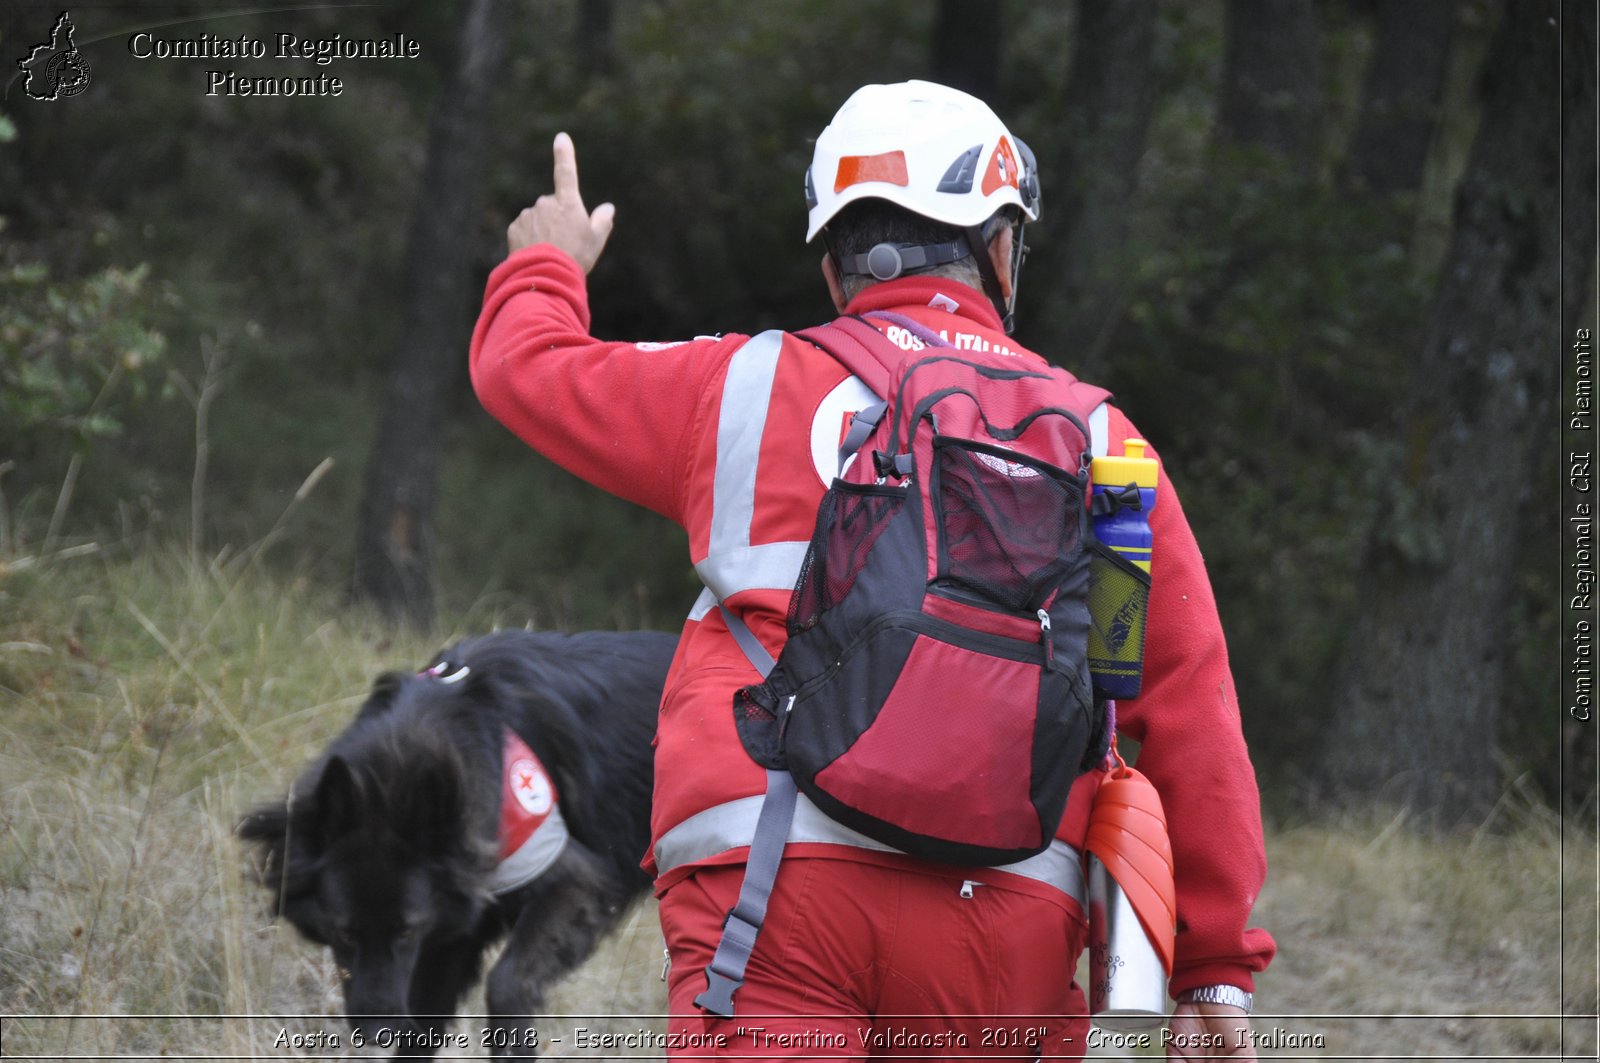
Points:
(1231, 995)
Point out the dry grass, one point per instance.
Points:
(1460, 939)
(145, 703)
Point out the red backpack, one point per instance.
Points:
(934, 693)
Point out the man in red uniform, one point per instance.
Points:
(919, 193)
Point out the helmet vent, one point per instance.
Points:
(958, 178)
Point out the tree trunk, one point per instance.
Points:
(1422, 685)
(966, 47)
(1271, 80)
(1110, 99)
(1400, 100)
(394, 536)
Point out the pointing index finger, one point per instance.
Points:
(566, 168)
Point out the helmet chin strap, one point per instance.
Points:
(978, 237)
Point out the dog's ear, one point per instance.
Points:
(266, 828)
(264, 825)
(337, 800)
(385, 688)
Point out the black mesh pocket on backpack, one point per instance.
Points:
(755, 718)
(1010, 526)
(849, 521)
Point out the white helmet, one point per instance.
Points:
(934, 151)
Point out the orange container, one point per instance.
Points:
(1128, 833)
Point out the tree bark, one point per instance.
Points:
(966, 47)
(393, 566)
(1400, 99)
(1271, 80)
(1110, 98)
(1421, 687)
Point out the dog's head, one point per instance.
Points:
(380, 849)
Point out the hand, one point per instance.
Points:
(1199, 1031)
(560, 219)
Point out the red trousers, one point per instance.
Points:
(859, 960)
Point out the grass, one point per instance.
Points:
(1373, 918)
(147, 701)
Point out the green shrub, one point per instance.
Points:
(77, 356)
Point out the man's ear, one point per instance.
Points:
(830, 273)
(1000, 257)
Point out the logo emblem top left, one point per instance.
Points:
(55, 69)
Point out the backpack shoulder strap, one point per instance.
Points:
(863, 355)
(865, 351)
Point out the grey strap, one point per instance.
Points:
(887, 261)
(725, 973)
(861, 426)
(754, 652)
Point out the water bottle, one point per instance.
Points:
(1128, 485)
(1133, 912)
(1127, 985)
(1122, 498)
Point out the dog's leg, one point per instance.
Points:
(554, 934)
(441, 977)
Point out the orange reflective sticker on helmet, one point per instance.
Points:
(889, 168)
(1002, 169)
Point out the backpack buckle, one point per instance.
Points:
(896, 465)
(1115, 499)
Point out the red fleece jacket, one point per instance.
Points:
(638, 420)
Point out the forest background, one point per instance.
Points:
(1331, 254)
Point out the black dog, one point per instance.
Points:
(391, 849)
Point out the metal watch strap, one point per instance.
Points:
(1230, 995)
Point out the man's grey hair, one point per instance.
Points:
(864, 224)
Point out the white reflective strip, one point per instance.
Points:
(1060, 866)
(731, 564)
(702, 605)
(771, 566)
(1099, 429)
(741, 420)
(732, 825)
(534, 857)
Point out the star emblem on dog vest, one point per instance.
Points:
(531, 786)
(532, 832)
